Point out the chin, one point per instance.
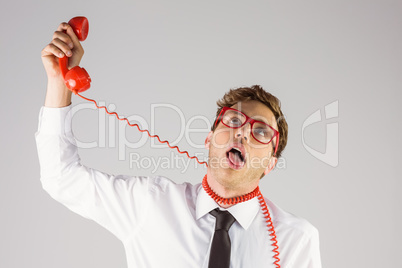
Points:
(230, 176)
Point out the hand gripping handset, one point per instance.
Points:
(77, 79)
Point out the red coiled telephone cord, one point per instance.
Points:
(214, 196)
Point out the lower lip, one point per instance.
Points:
(234, 166)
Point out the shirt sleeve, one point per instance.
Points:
(104, 198)
(307, 254)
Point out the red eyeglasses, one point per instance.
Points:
(261, 132)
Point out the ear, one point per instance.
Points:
(271, 165)
(208, 140)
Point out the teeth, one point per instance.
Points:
(237, 149)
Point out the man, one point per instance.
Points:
(223, 222)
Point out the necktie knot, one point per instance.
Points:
(224, 219)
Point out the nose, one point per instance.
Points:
(243, 131)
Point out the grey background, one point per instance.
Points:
(188, 54)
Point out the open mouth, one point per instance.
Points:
(236, 158)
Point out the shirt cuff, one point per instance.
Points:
(55, 120)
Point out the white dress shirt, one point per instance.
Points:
(161, 223)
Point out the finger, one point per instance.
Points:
(62, 46)
(74, 38)
(64, 26)
(63, 37)
(51, 49)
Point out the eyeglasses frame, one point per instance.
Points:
(248, 120)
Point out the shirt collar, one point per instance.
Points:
(244, 212)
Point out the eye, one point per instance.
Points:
(262, 132)
(234, 121)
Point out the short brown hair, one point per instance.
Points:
(257, 93)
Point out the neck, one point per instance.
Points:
(228, 202)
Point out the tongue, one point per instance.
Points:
(235, 158)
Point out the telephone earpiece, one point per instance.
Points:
(77, 79)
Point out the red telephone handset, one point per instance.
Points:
(77, 79)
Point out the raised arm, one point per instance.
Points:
(86, 191)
